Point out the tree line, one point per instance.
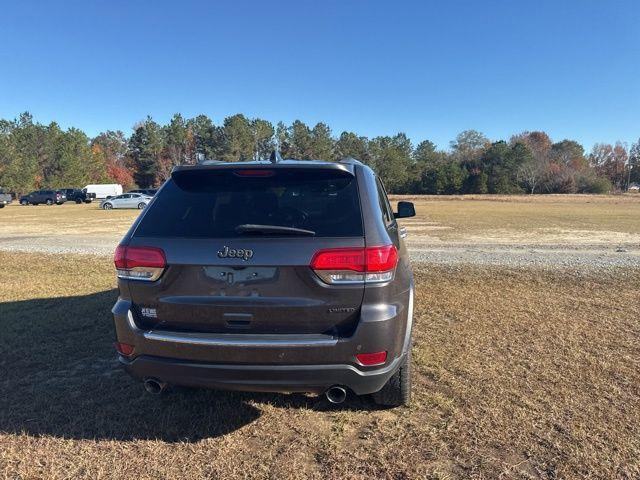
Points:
(33, 156)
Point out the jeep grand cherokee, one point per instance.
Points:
(287, 276)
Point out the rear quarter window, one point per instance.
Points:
(211, 204)
(385, 206)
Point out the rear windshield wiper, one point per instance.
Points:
(272, 230)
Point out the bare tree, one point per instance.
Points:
(530, 174)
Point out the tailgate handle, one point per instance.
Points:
(238, 320)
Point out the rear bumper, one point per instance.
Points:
(259, 378)
(270, 363)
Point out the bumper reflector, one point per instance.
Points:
(124, 349)
(371, 359)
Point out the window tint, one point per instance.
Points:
(211, 204)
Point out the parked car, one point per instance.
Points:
(126, 200)
(5, 198)
(284, 277)
(147, 191)
(48, 197)
(77, 195)
(104, 190)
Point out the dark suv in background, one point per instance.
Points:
(78, 195)
(48, 197)
(282, 277)
(5, 198)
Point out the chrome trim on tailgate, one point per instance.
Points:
(240, 340)
(234, 339)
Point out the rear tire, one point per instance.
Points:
(24, 203)
(78, 201)
(397, 391)
(141, 206)
(107, 206)
(49, 202)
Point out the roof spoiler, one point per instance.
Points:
(181, 170)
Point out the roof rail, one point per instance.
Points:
(350, 161)
(210, 162)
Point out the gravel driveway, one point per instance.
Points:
(521, 256)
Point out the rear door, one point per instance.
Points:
(238, 244)
(115, 201)
(123, 201)
(132, 200)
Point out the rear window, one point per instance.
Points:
(212, 204)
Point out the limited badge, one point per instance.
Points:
(342, 309)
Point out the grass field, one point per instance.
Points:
(549, 221)
(519, 373)
(561, 220)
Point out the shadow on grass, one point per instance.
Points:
(59, 376)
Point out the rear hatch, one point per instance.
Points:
(239, 243)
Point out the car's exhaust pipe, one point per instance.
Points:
(154, 387)
(336, 394)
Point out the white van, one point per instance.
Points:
(104, 190)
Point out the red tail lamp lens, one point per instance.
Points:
(139, 263)
(339, 259)
(369, 259)
(381, 259)
(124, 349)
(119, 257)
(132, 257)
(371, 359)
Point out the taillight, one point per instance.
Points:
(139, 263)
(356, 265)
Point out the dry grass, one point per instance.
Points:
(66, 219)
(519, 374)
(553, 220)
(556, 221)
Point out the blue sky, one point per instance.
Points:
(429, 69)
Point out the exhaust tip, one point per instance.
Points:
(336, 394)
(154, 387)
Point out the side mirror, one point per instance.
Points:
(405, 210)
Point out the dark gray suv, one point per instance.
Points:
(287, 276)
